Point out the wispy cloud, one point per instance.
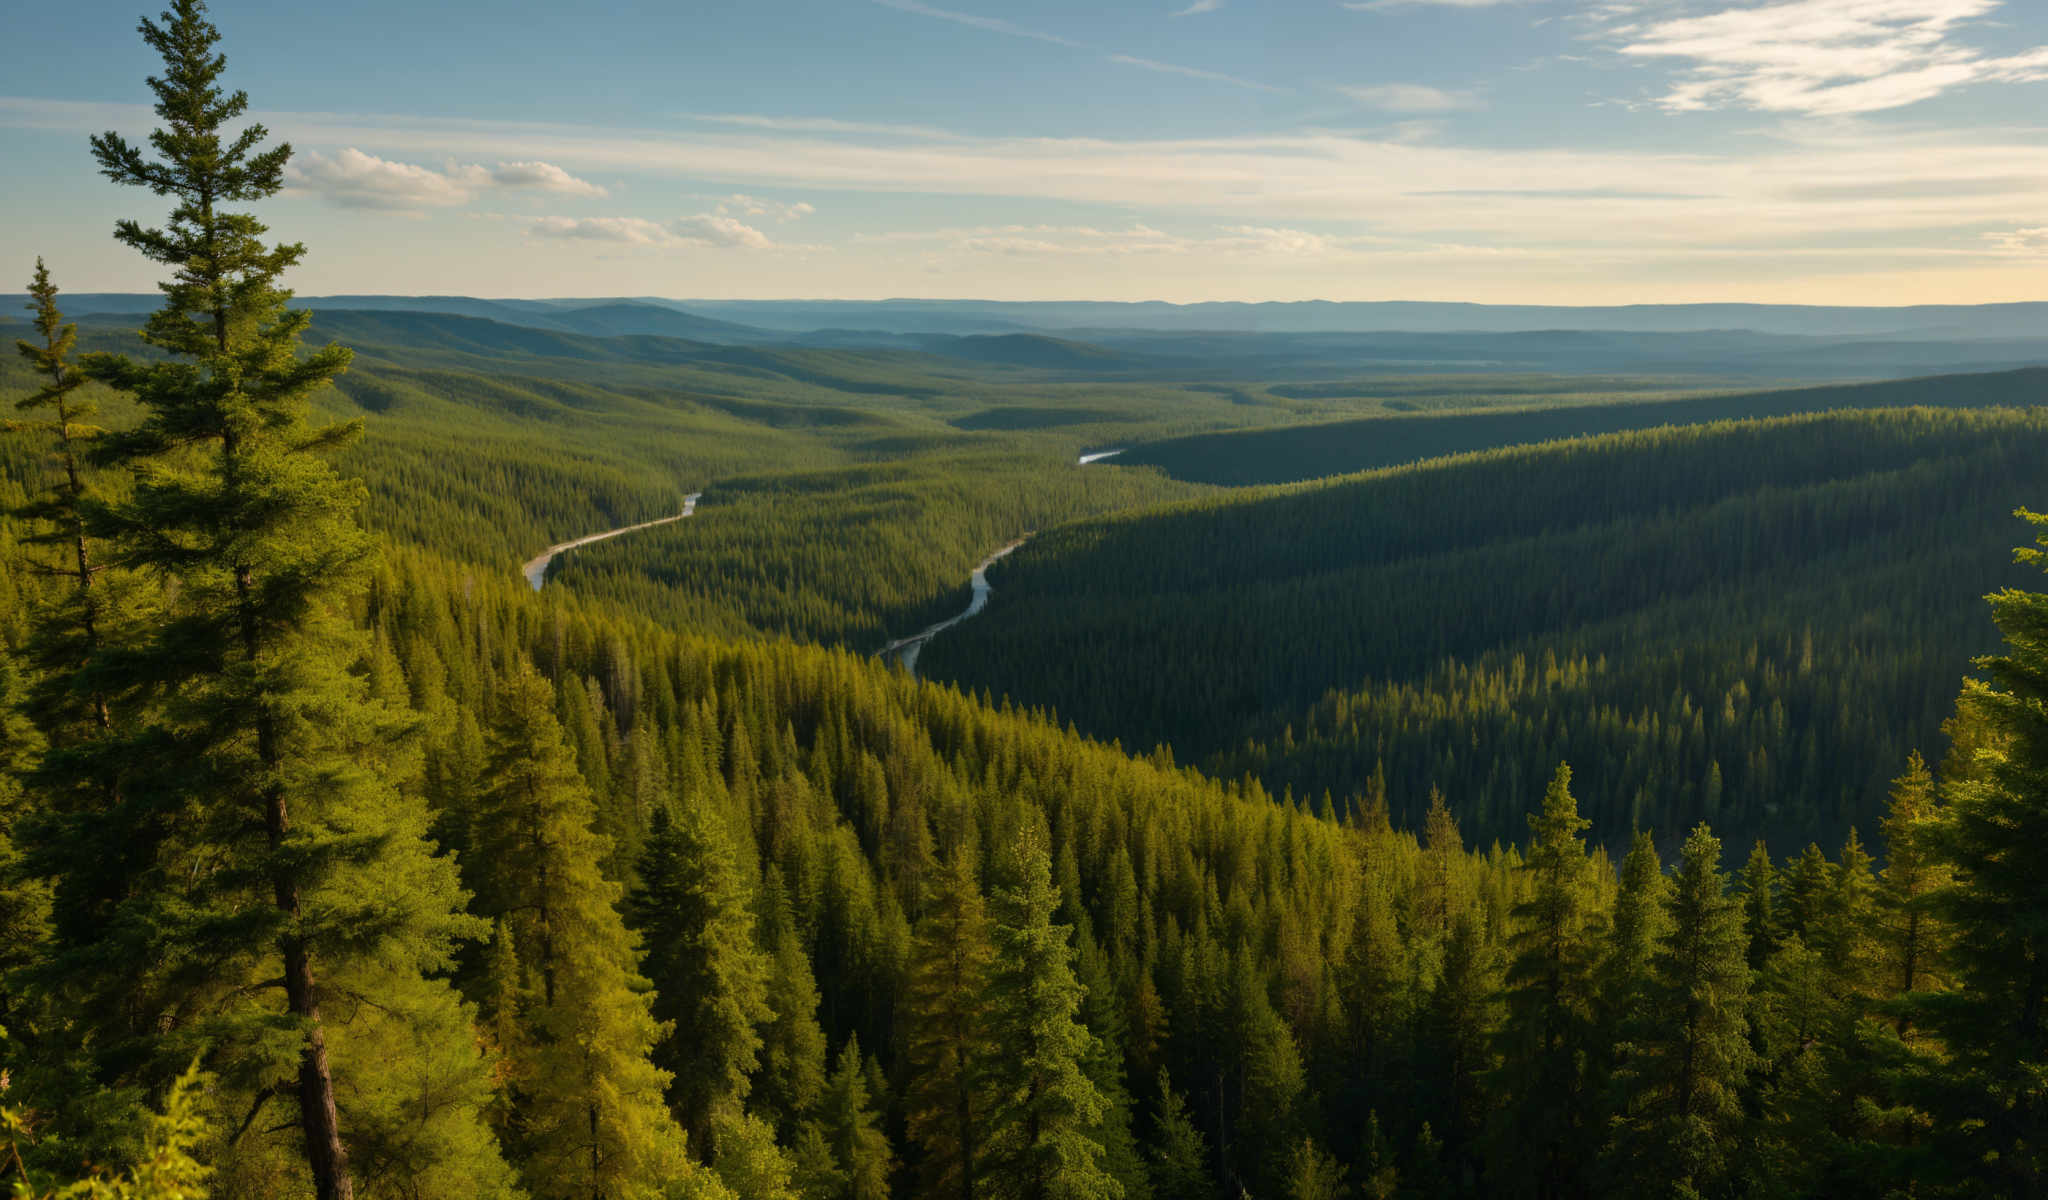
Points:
(1412, 98)
(1378, 5)
(2029, 243)
(818, 125)
(991, 24)
(703, 229)
(1198, 8)
(1166, 68)
(350, 178)
(1087, 241)
(753, 206)
(1758, 200)
(1012, 29)
(1822, 57)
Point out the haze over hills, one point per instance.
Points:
(1931, 322)
(1695, 344)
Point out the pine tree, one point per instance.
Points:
(1991, 1095)
(848, 1117)
(1679, 1124)
(1545, 1036)
(258, 855)
(1312, 1174)
(1180, 1154)
(947, 1041)
(1759, 885)
(1913, 874)
(1455, 1042)
(709, 973)
(587, 1113)
(1041, 1103)
(68, 638)
(792, 1074)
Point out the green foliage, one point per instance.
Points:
(1043, 1107)
(585, 1112)
(1676, 1127)
(709, 974)
(1991, 1089)
(167, 1168)
(1546, 1034)
(949, 1043)
(847, 1116)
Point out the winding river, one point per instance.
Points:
(536, 568)
(908, 648)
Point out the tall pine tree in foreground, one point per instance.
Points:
(1042, 1106)
(1992, 1092)
(587, 1116)
(1541, 1144)
(1678, 1128)
(709, 973)
(948, 1041)
(271, 875)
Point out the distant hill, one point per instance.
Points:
(1313, 451)
(1084, 319)
(1026, 350)
(616, 320)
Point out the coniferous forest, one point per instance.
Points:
(1657, 813)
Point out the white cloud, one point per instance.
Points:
(1199, 7)
(540, 176)
(350, 178)
(703, 229)
(1823, 57)
(754, 206)
(1412, 98)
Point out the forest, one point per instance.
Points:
(336, 861)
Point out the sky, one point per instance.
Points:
(1498, 151)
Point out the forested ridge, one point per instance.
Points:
(343, 864)
(1745, 622)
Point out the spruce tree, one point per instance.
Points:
(68, 638)
(1909, 934)
(947, 1041)
(1990, 1096)
(792, 1074)
(258, 856)
(1180, 1154)
(1549, 998)
(709, 973)
(1759, 885)
(1686, 1073)
(847, 1115)
(1041, 1103)
(587, 1117)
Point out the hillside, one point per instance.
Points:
(1309, 451)
(1648, 606)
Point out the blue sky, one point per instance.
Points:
(1528, 151)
